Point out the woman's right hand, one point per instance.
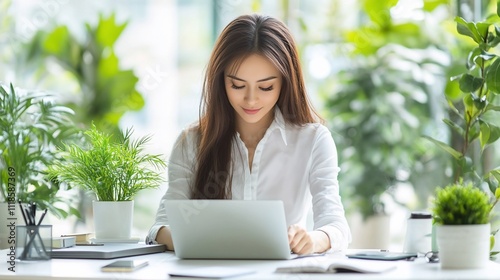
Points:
(164, 236)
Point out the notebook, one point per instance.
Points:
(107, 251)
(326, 265)
(228, 229)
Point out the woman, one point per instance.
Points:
(259, 138)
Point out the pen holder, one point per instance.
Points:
(34, 242)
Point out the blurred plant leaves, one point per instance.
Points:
(107, 90)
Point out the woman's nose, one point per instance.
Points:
(251, 96)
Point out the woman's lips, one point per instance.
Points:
(251, 111)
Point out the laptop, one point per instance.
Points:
(228, 229)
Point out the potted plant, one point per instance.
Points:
(473, 103)
(462, 215)
(377, 113)
(114, 171)
(31, 126)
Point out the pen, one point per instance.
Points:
(41, 218)
(29, 214)
(89, 244)
(33, 212)
(22, 212)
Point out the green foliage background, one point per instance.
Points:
(106, 90)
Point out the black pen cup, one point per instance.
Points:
(33, 243)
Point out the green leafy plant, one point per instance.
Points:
(474, 122)
(474, 107)
(473, 103)
(377, 111)
(461, 204)
(464, 204)
(31, 126)
(112, 170)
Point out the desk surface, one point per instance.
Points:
(161, 263)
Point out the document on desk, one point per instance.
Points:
(211, 272)
(107, 251)
(335, 265)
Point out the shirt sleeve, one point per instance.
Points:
(180, 174)
(328, 211)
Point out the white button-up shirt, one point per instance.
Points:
(295, 164)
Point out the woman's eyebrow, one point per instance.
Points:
(261, 80)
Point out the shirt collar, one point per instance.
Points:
(279, 123)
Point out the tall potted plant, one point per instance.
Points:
(114, 171)
(474, 121)
(31, 126)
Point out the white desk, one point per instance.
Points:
(161, 263)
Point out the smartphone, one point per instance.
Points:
(124, 266)
(384, 256)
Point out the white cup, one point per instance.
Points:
(418, 237)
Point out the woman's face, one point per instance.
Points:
(253, 90)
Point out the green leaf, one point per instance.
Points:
(468, 107)
(379, 11)
(494, 41)
(498, 8)
(492, 182)
(454, 153)
(482, 28)
(468, 29)
(480, 103)
(496, 174)
(469, 83)
(493, 76)
(452, 92)
(365, 40)
(472, 60)
(492, 107)
(64, 47)
(494, 133)
(430, 5)
(457, 128)
(484, 135)
(108, 31)
(57, 41)
(108, 66)
(487, 56)
(497, 193)
(474, 133)
(466, 164)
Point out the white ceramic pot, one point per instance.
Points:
(463, 246)
(113, 219)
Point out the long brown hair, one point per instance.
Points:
(247, 34)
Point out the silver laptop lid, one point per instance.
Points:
(228, 229)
